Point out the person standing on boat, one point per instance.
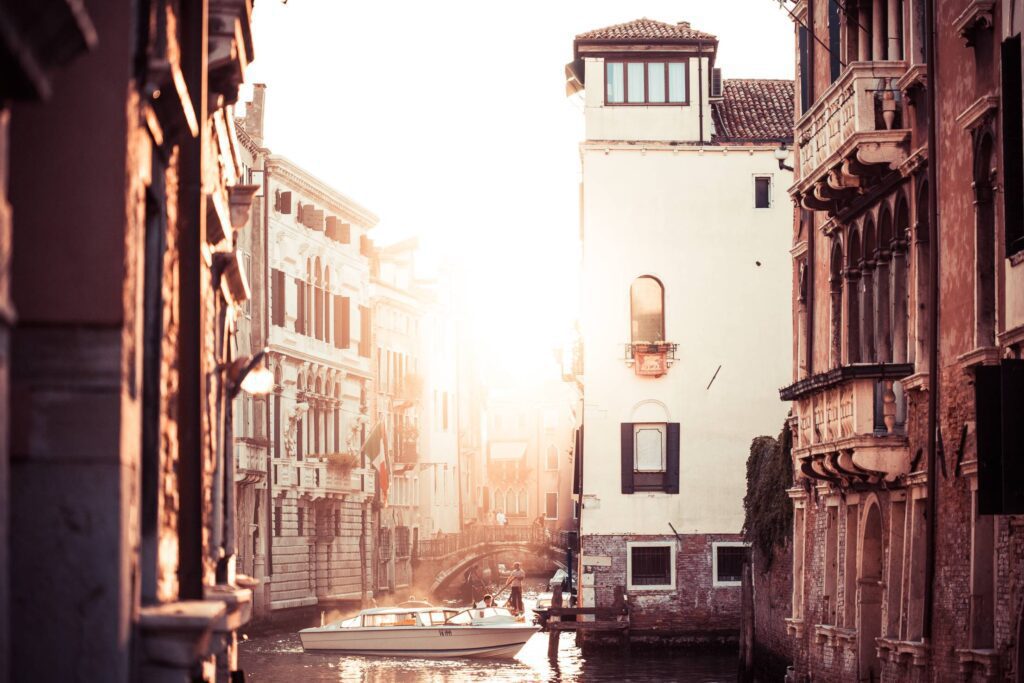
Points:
(515, 580)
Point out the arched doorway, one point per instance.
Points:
(870, 595)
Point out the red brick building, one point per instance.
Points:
(908, 308)
(120, 198)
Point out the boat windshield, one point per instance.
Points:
(350, 623)
(459, 618)
(390, 619)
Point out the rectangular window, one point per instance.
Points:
(614, 82)
(650, 565)
(649, 449)
(300, 297)
(301, 521)
(728, 561)
(277, 295)
(277, 520)
(635, 83)
(551, 505)
(762, 192)
(364, 332)
(656, 82)
(641, 82)
(650, 457)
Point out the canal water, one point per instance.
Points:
(280, 658)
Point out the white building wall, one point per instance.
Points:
(637, 122)
(687, 217)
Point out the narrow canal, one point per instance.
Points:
(280, 658)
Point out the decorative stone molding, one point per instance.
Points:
(795, 627)
(976, 17)
(177, 635)
(985, 660)
(983, 355)
(978, 112)
(917, 159)
(914, 80)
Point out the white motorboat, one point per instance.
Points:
(423, 632)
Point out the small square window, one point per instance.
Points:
(762, 192)
(728, 563)
(650, 566)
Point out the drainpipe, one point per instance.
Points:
(700, 87)
(933, 320)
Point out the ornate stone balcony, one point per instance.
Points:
(848, 425)
(856, 129)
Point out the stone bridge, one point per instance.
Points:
(440, 562)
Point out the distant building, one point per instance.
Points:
(319, 514)
(908, 556)
(399, 395)
(684, 326)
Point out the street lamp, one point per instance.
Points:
(781, 154)
(249, 374)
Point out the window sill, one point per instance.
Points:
(630, 588)
(726, 584)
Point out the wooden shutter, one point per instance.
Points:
(364, 331)
(300, 315)
(346, 322)
(277, 294)
(988, 433)
(276, 398)
(284, 204)
(318, 312)
(327, 316)
(338, 317)
(345, 233)
(672, 458)
(1012, 398)
(331, 229)
(627, 456)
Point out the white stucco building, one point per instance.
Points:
(684, 318)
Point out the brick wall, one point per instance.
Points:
(773, 604)
(695, 611)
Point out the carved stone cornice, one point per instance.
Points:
(977, 16)
(315, 188)
(976, 114)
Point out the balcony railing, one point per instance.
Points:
(857, 128)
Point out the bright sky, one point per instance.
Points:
(449, 121)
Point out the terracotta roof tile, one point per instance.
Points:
(646, 29)
(754, 109)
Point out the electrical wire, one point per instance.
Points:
(813, 34)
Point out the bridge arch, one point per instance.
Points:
(449, 570)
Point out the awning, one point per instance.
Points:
(508, 450)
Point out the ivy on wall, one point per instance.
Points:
(768, 512)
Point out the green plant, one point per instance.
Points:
(768, 512)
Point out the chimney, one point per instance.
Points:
(254, 113)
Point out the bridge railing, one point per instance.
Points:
(446, 544)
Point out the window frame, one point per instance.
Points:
(547, 458)
(547, 495)
(771, 182)
(714, 562)
(685, 61)
(633, 312)
(630, 545)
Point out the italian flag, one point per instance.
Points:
(376, 448)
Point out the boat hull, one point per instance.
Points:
(474, 641)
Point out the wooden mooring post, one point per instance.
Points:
(554, 633)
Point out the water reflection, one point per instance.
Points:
(281, 658)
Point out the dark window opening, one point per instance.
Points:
(551, 505)
(651, 566)
(762, 193)
(729, 562)
(301, 521)
(277, 520)
(1013, 146)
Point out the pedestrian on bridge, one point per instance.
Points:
(515, 580)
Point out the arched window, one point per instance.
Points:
(901, 348)
(853, 258)
(836, 281)
(308, 299)
(510, 503)
(984, 241)
(327, 304)
(299, 423)
(499, 501)
(318, 301)
(647, 310)
(317, 411)
(867, 292)
(523, 509)
(883, 290)
(922, 259)
(337, 417)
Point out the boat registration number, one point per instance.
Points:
(444, 632)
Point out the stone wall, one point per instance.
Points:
(773, 588)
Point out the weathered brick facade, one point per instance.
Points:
(694, 611)
(868, 494)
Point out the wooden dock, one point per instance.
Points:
(606, 619)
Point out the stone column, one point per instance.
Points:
(893, 30)
(863, 32)
(877, 30)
